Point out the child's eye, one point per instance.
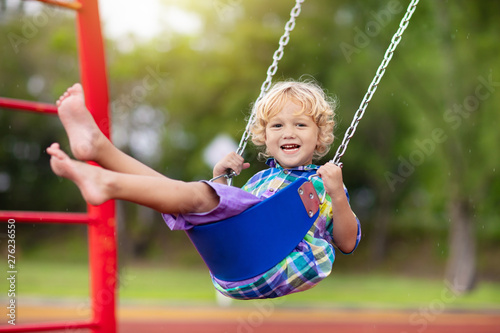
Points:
(276, 126)
(301, 125)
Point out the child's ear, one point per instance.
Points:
(319, 144)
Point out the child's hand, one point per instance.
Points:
(332, 179)
(231, 161)
(345, 227)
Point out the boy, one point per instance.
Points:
(294, 121)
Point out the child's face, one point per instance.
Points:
(291, 136)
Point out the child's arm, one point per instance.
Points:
(231, 161)
(345, 226)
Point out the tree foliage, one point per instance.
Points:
(427, 141)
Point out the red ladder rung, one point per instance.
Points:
(27, 105)
(69, 327)
(46, 217)
(75, 5)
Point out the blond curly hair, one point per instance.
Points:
(314, 102)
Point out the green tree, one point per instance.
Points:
(469, 92)
(411, 184)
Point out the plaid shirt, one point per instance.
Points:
(312, 259)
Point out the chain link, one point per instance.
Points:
(278, 54)
(271, 71)
(374, 84)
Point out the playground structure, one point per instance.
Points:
(103, 257)
(99, 220)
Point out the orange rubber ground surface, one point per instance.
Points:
(266, 318)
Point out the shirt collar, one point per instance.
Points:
(271, 162)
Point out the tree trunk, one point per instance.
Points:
(378, 241)
(461, 266)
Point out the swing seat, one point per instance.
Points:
(249, 244)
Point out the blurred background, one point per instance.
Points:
(421, 169)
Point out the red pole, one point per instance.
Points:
(102, 235)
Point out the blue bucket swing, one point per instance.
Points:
(245, 245)
(236, 248)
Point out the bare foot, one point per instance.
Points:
(88, 178)
(84, 135)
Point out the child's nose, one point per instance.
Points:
(289, 132)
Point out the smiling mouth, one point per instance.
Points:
(290, 147)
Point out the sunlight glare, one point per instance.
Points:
(145, 18)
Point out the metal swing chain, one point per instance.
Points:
(374, 84)
(278, 54)
(396, 39)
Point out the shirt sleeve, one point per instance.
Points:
(358, 237)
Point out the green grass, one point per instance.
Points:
(181, 285)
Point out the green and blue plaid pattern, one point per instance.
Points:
(311, 260)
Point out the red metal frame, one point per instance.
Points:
(99, 219)
(27, 105)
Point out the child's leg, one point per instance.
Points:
(87, 142)
(162, 194)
